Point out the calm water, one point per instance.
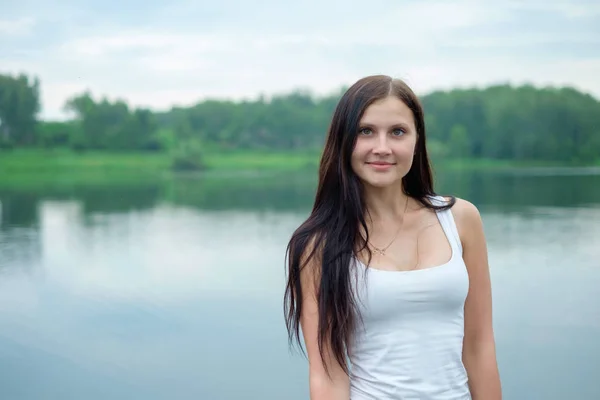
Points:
(173, 290)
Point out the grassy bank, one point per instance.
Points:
(24, 165)
(60, 161)
(33, 167)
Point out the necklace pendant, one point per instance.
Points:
(378, 251)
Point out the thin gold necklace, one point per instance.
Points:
(382, 251)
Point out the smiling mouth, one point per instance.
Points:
(380, 166)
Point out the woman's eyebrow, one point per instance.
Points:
(395, 125)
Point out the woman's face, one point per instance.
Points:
(386, 141)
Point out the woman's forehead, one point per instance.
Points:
(390, 110)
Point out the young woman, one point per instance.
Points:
(388, 281)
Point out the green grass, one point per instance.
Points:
(33, 167)
(58, 161)
(36, 167)
(21, 166)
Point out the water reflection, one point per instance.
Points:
(173, 289)
(514, 190)
(140, 254)
(145, 302)
(503, 190)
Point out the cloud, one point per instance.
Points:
(568, 9)
(17, 27)
(181, 52)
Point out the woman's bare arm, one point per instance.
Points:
(479, 351)
(323, 386)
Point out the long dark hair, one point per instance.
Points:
(338, 212)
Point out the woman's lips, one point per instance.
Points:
(380, 165)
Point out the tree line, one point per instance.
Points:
(497, 122)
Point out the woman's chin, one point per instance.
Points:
(381, 182)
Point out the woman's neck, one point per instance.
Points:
(386, 204)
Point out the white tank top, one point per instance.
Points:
(409, 345)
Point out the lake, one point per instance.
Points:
(172, 289)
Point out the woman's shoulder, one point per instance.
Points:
(466, 216)
(462, 208)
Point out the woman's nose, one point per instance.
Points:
(382, 145)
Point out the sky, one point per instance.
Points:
(160, 54)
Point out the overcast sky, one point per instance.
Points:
(158, 53)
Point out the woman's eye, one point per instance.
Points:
(395, 132)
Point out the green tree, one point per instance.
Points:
(112, 125)
(459, 141)
(497, 122)
(19, 106)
